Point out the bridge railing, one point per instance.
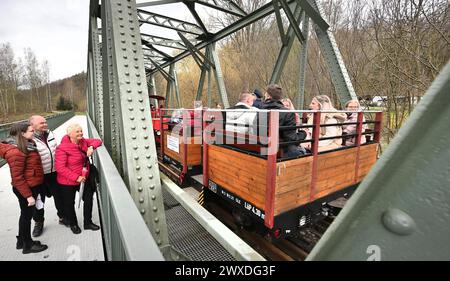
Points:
(54, 121)
(126, 236)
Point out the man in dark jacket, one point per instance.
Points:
(287, 119)
(258, 103)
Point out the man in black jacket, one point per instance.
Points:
(287, 119)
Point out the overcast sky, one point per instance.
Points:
(54, 29)
(57, 30)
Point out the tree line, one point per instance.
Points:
(25, 87)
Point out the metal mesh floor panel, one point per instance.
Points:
(190, 238)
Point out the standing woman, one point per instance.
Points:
(27, 175)
(71, 156)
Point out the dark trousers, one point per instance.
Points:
(51, 188)
(68, 196)
(26, 213)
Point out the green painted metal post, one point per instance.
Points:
(139, 158)
(219, 77)
(333, 58)
(285, 49)
(303, 64)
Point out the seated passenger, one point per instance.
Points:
(323, 103)
(287, 119)
(241, 121)
(352, 105)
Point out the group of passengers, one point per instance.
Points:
(41, 168)
(240, 120)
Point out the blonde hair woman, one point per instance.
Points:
(71, 157)
(323, 103)
(289, 105)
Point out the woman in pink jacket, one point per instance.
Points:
(71, 157)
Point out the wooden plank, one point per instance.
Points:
(234, 169)
(236, 173)
(293, 199)
(230, 155)
(236, 180)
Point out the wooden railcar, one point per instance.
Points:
(284, 194)
(181, 145)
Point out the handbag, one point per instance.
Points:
(93, 178)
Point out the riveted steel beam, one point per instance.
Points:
(401, 211)
(140, 162)
(255, 16)
(168, 22)
(97, 75)
(285, 48)
(303, 63)
(196, 54)
(111, 136)
(163, 42)
(226, 6)
(294, 22)
(219, 76)
(311, 10)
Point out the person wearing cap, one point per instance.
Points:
(258, 103)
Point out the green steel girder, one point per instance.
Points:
(219, 76)
(139, 158)
(333, 58)
(401, 211)
(283, 36)
(111, 106)
(285, 49)
(226, 6)
(191, 6)
(310, 7)
(174, 85)
(257, 15)
(303, 62)
(155, 53)
(294, 22)
(163, 72)
(196, 54)
(163, 42)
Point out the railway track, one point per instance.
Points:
(295, 248)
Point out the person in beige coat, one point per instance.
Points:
(323, 103)
(352, 117)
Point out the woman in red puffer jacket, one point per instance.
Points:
(27, 175)
(71, 156)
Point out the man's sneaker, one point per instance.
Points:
(91, 226)
(38, 228)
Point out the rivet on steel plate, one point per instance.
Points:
(398, 222)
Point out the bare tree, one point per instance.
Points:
(46, 81)
(32, 75)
